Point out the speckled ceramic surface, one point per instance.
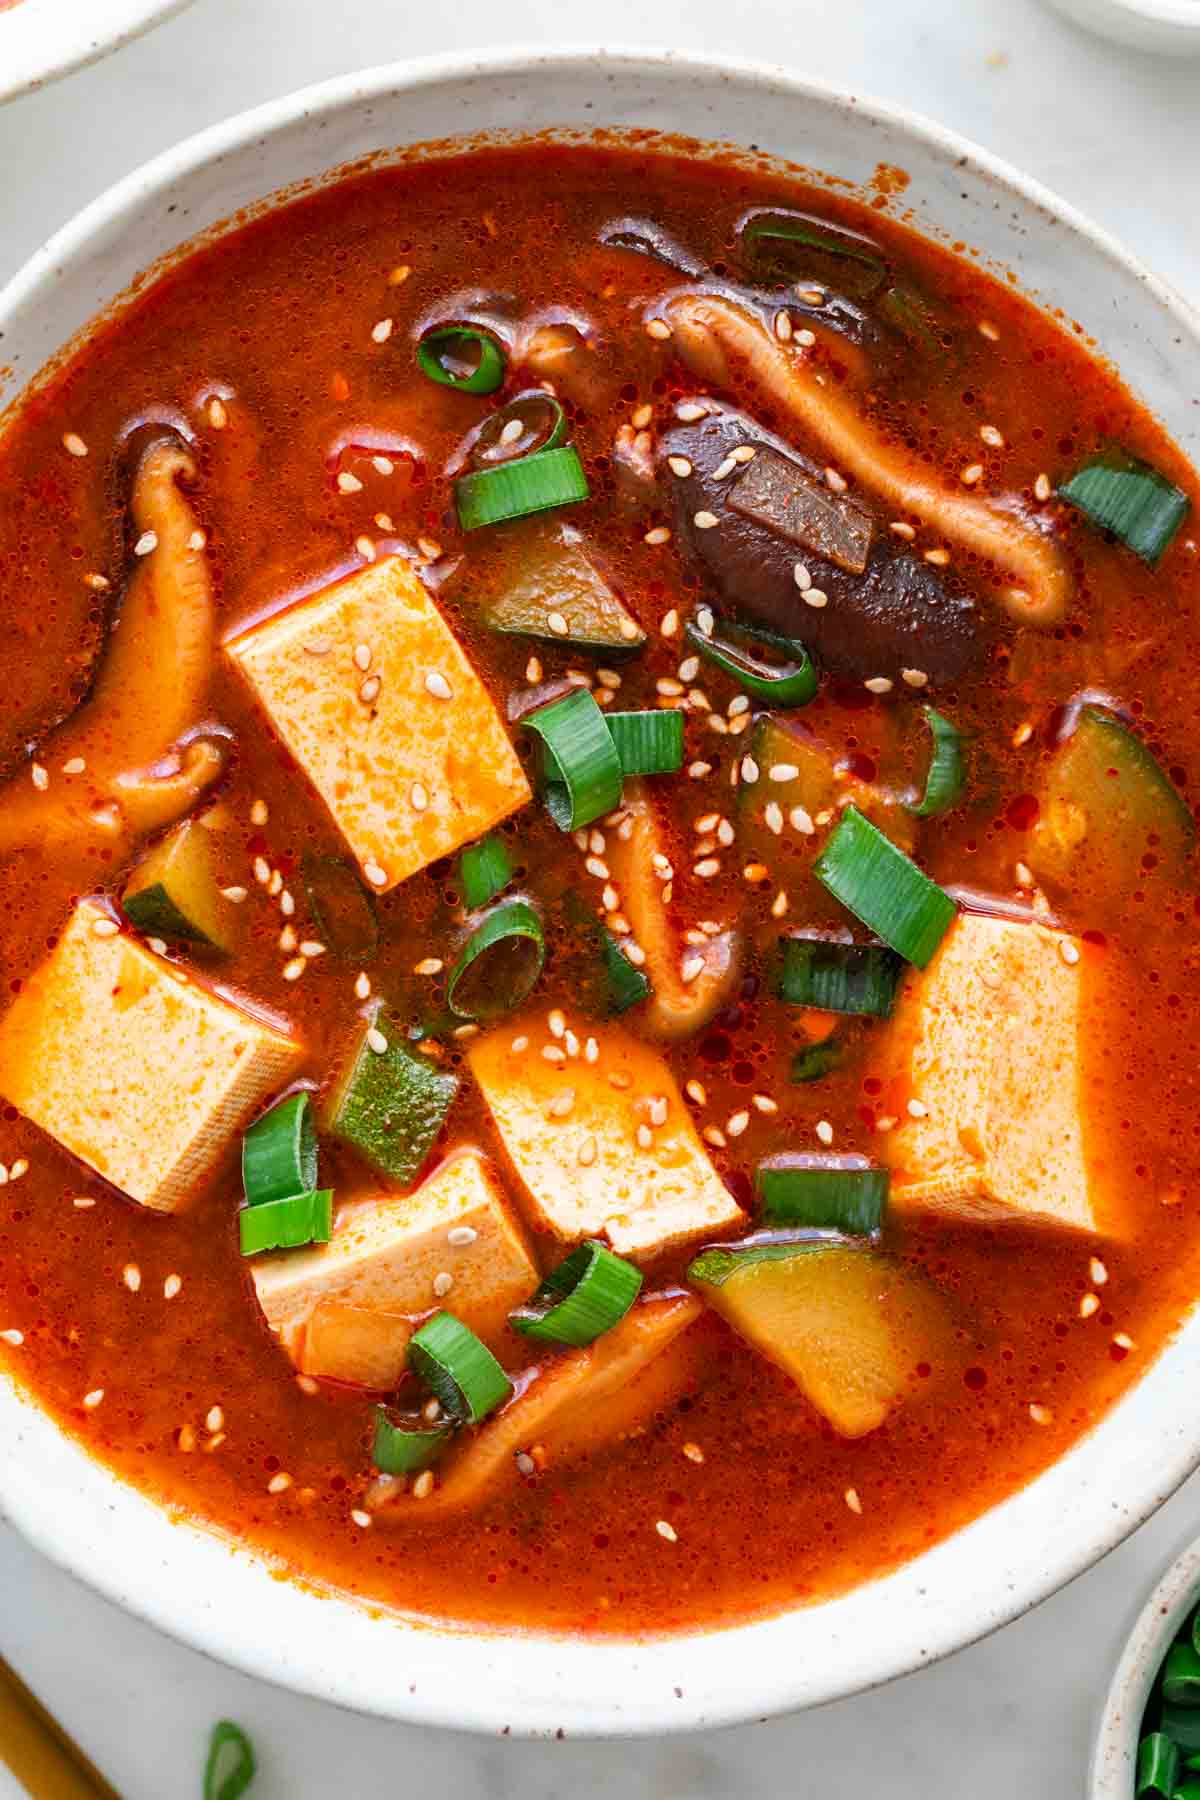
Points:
(226, 1602)
(40, 40)
(1115, 1757)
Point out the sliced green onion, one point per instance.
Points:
(343, 911)
(1157, 1767)
(648, 743)
(884, 888)
(766, 230)
(947, 768)
(816, 1061)
(793, 683)
(543, 427)
(581, 767)
(1182, 1726)
(1123, 495)
(279, 1152)
(485, 870)
(833, 1193)
(513, 490)
(588, 1293)
(230, 1767)
(839, 977)
(913, 317)
(460, 1371)
(1181, 1676)
(287, 1224)
(500, 964)
(462, 357)
(406, 1449)
(626, 984)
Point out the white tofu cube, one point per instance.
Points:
(144, 1077)
(408, 773)
(986, 1048)
(388, 1251)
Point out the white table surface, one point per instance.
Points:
(1009, 1719)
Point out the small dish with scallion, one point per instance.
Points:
(1148, 1744)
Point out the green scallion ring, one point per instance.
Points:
(531, 484)
(588, 1293)
(500, 963)
(405, 1449)
(484, 870)
(230, 1767)
(947, 768)
(279, 1152)
(793, 683)
(829, 1193)
(457, 1369)
(287, 1224)
(344, 911)
(884, 888)
(462, 357)
(543, 427)
(580, 762)
(648, 743)
(626, 984)
(839, 977)
(1124, 495)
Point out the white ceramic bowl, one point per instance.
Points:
(1159, 25)
(43, 39)
(1114, 1759)
(225, 1600)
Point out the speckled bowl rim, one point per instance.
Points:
(43, 40)
(1114, 1758)
(227, 1602)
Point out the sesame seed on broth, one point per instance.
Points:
(318, 381)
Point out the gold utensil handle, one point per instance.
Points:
(39, 1752)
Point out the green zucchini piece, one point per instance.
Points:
(1109, 818)
(817, 787)
(389, 1104)
(556, 583)
(173, 892)
(816, 1061)
(343, 909)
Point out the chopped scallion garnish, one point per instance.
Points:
(1123, 495)
(543, 427)
(460, 1371)
(485, 870)
(1157, 1768)
(287, 1224)
(279, 1152)
(648, 743)
(588, 1293)
(462, 357)
(833, 1193)
(626, 985)
(1181, 1676)
(884, 888)
(500, 963)
(947, 768)
(343, 910)
(581, 766)
(775, 231)
(790, 683)
(532, 484)
(230, 1767)
(816, 1061)
(405, 1449)
(839, 977)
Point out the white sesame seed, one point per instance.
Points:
(218, 415)
(991, 436)
(657, 534)
(705, 521)
(436, 683)
(92, 1400)
(39, 776)
(418, 796)
(348, 483)
(707, 868)
(275, 884)
(292, 971)
(100, 583)
(131, 1275)
(362, 985)
(557, 624)
(19, 1168)
(837, 483)
(782, 772)
(279, 1484)
(737, 1123)
(988, 330)
(806, 337)
(83, 1202)
(376, 1040)
(971, 474)
(689, 412)
(724, 469)
(361, 1519)
(779, 905)
(763, 1103)
(695, 1090)
(459, 1236)
(318, 647)
(679, 465)
(816, 597)
(691, 968)
(1041, 1415)
(801, 821)
(825, 1131)
(587, 1151)
(287, 903)
(13, 1336)
(1088, 1305)
(424, 1484)
(73, 444)
(369, 691)
(644, 1136)
(1123, 1341)
(658, 328)
(635, 953)
(381, 332)
(1022, 734)
(1068, 951)
(712, 1134)
(307, 1385)
(1041, 488)
(667, 1531)
(533, 670)
(147, 543)
(852, 1500)
(902, 529)
(552, 1054)
(171, 1286)
(1098, 1272)
(940, 557)
(738, 705)
(383, 465)
(749, 770)
(783, 327)
(104, 928)
(287, 938)
(443, 1281)
(773, 816)
(556, 1024)
(917, 1109)
(878, 684)
(914, 678)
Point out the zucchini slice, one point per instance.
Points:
(173, 892)
(390, 1102)
(555, 592)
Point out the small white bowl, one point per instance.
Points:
(43, 39)
(1115, 1756)
(1162, 25)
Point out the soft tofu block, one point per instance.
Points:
(387, 1251)
(408, 775)
(143, 1077)
(583, 1171)
(988, 1042)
